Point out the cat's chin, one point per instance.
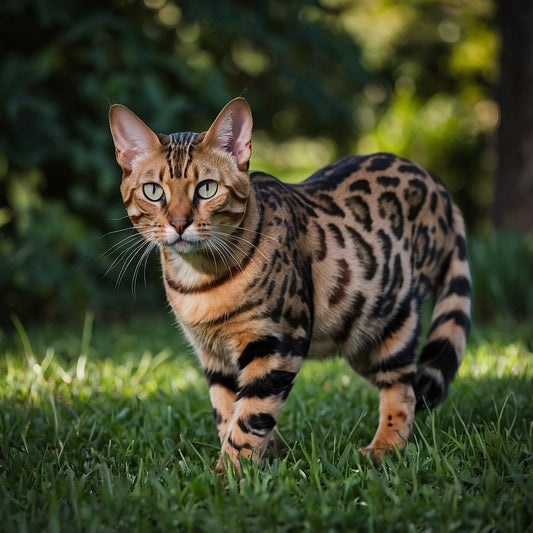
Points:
(182, 246)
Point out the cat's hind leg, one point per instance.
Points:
(392, 369)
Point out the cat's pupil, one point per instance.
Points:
(207, 189)
(153, 191)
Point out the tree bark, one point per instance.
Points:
(513, 195)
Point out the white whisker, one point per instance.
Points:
(143, 259)
(248, 230)
(129, 228)
(241, 239)
(137, 249)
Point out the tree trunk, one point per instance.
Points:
(513, 196)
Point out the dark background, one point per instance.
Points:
(448, 84)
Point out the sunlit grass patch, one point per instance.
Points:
(110, 428)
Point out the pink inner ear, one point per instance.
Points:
(133, 139)
(232, 131)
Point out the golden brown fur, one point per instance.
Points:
(262, 275)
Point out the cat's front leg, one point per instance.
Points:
(265, 383)
(223, 387)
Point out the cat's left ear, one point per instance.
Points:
(232, 131)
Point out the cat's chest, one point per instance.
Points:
(203, 302)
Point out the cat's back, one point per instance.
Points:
(374, 231)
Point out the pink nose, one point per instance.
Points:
(179, 224)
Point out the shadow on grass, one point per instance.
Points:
(113, 429)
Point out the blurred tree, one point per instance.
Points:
(513, 198)
(176, 65)
(324, 78)
(435, 64)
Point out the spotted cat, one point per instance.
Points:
(263, 275)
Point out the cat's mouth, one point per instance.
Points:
(182, 246)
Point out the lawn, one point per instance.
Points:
(109, 428)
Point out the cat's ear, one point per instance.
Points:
(232, 131)
(133, 139)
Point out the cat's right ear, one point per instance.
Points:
(133, 139)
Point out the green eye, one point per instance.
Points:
(153, 191)
(207, 189)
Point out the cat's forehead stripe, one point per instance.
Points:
(179, 152)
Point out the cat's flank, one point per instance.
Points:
(263, 275)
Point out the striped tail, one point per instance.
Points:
(450, 325)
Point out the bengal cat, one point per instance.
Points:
(263, 275)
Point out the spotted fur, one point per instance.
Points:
(263, 275)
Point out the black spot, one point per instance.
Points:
(260, 348)
(420, 246)
(321, 249)
(388, 181)
(443, 225)
(219, 378)
(239, 447)
(412, 169)
(329, 178)
(275, 383)
(342, 279)
(459, 317)
(360, 185)
(348, 320)
(460, 285)
(433, 202)
(390, 209)
(381, 162)
(403, 312)
(337, 234)
(364, 253)
(329, 206)
(258, 424)
(405, 356)
(460, 244)
(286, 345)
(359, 209)
(415, 196)
(217, 416)
(386, 248)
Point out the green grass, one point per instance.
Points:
(109, 428)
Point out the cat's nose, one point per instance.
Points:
(180, 224)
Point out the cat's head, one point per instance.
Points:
(185, 191)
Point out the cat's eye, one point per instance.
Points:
(153, 191)
(207, 189)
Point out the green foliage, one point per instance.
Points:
(321, 85)
(176, 66)
(502, 274)
(112, 429)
